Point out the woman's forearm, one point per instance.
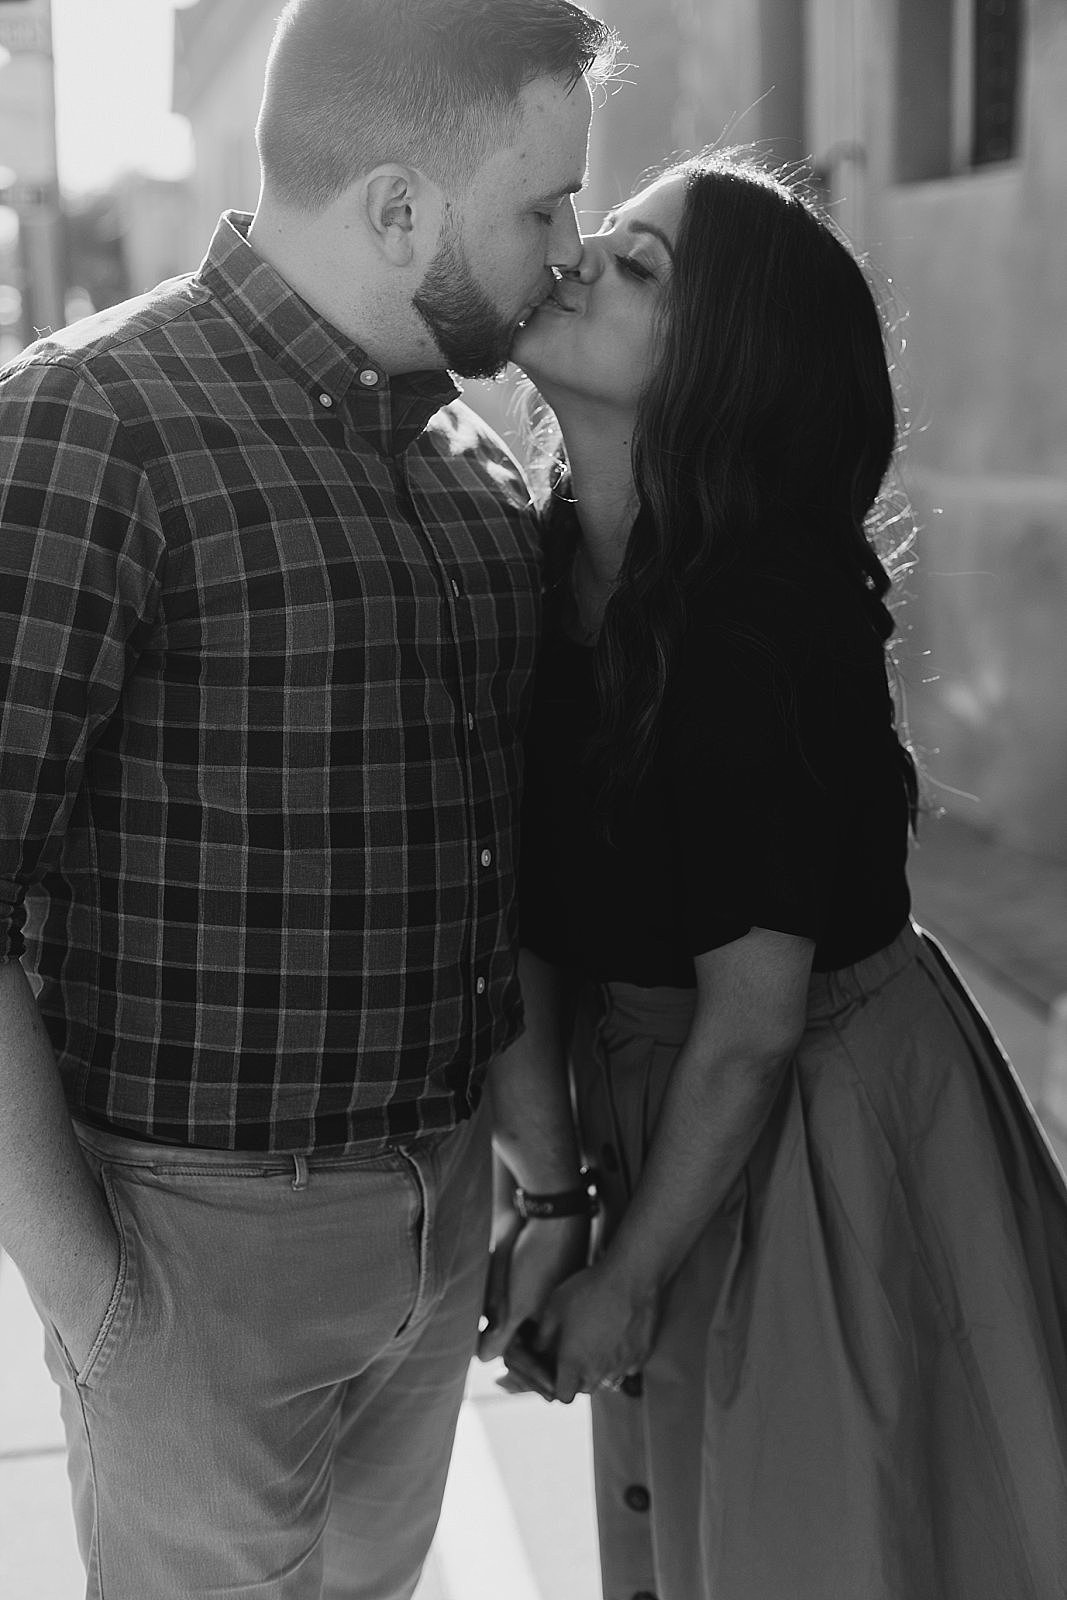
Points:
(749, 1018)
(711, 1116)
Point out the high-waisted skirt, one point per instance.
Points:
(858, 1389)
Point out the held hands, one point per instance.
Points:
(528, 1260)
(595, 1329)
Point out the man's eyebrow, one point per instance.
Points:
(575, 187)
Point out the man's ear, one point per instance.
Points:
(400, 207)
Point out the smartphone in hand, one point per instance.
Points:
(531, 1368)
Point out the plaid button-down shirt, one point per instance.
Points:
(267, 626)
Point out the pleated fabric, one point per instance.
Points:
(859, 1385)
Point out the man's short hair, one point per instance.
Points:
(433, 84)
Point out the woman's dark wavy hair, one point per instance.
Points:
(770, 417)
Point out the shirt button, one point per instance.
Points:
(326, 400)
(368, 377)
(455, 588)
(637, 1497)
(479, 987)
(486, 858)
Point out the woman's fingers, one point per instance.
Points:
(495, 1334)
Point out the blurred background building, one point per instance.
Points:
(938, 131)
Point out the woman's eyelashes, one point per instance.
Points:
(634, 268)
(629, 266)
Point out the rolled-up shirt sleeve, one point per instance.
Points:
(81, 553)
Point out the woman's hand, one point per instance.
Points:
(596, 1328)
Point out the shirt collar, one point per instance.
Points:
(336, 373)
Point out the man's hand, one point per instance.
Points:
(54, 1218)
(528, 1260)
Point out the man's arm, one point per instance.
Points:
(54, 1222)
(535, 1137)
(80, 551)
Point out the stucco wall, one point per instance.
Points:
(701, 71)
(979, 266)
(223, 115)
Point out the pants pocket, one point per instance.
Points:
(108, 1331)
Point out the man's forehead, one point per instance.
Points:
(550, 151)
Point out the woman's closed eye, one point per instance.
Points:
(632, 267)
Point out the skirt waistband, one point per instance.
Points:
(668, 1012)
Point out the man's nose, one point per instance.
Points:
(565, 250)
(590, 263)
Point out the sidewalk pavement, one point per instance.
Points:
(518, 1517)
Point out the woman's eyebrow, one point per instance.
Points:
(657, 233)
(636, 226)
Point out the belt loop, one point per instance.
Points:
(300, 1172)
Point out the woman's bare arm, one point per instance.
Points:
(750, 1014)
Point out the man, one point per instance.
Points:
(268, 606)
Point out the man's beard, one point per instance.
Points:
(471, 333)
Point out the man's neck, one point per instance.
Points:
(350, 293)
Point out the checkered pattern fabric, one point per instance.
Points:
(267, 626)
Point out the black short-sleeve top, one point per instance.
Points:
(776, 798)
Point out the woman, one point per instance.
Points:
(825, 1327)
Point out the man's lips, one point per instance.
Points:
(551, 301)
(554, 301)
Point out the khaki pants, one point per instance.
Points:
(269, 1407)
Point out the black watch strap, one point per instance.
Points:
(577, 1202)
